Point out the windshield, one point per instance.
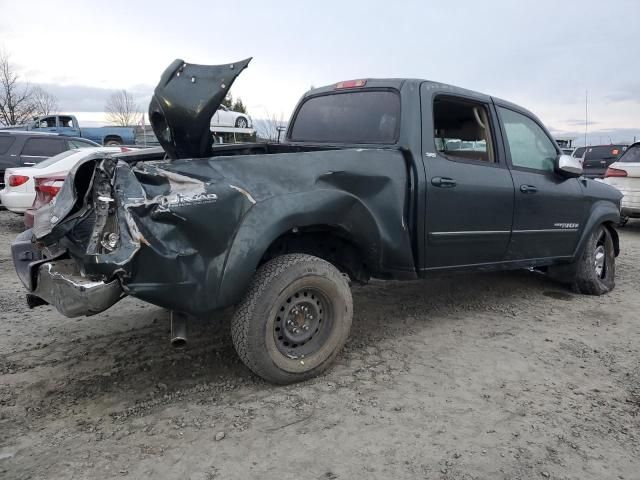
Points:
(632, 155)
(54, 159)
(349, 117)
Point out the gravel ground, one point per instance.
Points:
(487, 376)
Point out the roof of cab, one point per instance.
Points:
(399, 83)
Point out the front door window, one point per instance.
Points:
(528, 144)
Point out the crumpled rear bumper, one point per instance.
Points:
(60, 283)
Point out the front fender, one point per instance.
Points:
(602, 211)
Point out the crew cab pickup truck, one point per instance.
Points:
(68, 125)
(385, 178)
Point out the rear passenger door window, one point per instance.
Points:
(36, 149)
(462, 130)
(528, 144)
(5, 144)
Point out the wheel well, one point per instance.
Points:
(328, 243)
(614, 236)
(112, 137)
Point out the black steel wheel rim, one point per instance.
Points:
(303, 323)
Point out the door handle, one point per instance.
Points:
(528, 189)
(29, 163)
(443, 182)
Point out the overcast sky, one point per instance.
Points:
(540, 54)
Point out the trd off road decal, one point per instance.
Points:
(566, 225)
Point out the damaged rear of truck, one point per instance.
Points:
(385, 178)
(276, 229)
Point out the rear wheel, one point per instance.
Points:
(595, 273)
(241, 122)
(294, 319)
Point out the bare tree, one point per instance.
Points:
(122, 110)
(44, 103)
(16, 105)
(272, 127)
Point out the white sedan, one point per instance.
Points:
(19, 192)
(228, 118)
(624, 174)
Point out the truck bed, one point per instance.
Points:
(171, 250)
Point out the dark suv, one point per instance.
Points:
(23, 149)
(597, 158)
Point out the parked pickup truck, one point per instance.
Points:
(386, 178)
(68, 125)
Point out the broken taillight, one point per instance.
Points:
(615, 172)
(48, 186)
(46, 189)
(17, 180)
(351, 84)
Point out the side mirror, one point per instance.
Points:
(568, 166)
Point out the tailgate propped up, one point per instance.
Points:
(183, 103)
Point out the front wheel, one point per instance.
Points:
(294, 318)
(596, 269)
(242, 122)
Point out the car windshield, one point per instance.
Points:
(350, 117)
(54, 159)
(632, 155)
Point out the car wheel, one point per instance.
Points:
(596, 270)
(113, 142)
(294, 318)
(242, 122)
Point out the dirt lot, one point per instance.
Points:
(478, 376)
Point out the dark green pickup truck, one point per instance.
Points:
(385, 178)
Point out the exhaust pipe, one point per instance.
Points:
(178, 329)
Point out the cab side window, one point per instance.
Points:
(528, 144)
(48, 122)
(67, 122)
(462, 130)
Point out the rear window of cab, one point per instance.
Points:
(364, 116)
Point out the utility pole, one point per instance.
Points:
(586, 116)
